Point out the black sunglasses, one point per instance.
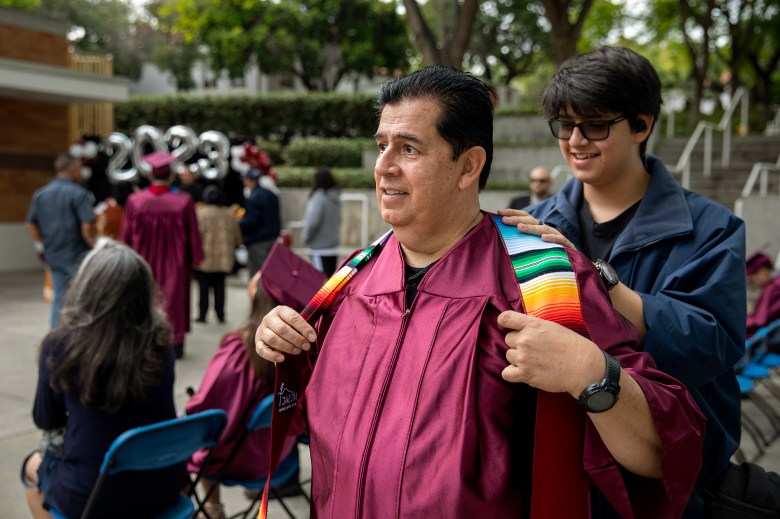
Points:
(591, 130)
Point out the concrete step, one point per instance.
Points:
(724, 185)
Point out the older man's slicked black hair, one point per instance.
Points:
(466, 107)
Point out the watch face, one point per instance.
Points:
(600, 401)
(607, 273)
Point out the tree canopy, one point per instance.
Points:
(318, 41)
(98, 27)
(701, 47)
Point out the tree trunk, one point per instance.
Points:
(452, 48)
(563, 33)
(456, 49)
(764, 75)
(424, 38)
(699, 54)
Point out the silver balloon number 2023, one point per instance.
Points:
(126, 155)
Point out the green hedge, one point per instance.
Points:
(273, 117)
(347, 178)
(316, 151)
(359, 178)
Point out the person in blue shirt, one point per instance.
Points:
(673, 260)
(261, 223)
(61, 221)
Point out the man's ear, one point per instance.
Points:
(472, 160)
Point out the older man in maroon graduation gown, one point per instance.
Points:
(411, 407)
(161, 226)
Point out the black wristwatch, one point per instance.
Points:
(602, 396)
(608, 273)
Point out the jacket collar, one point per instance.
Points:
(662, 213)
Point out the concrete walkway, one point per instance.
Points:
(23, 324)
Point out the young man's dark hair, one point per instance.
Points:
(466, 103)
(605, 81)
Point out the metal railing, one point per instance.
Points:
(760, 171)
(760, 174)
(773, 126)
(683, 166)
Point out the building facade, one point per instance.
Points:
(40, 93)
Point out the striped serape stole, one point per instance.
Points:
(290, 381)
(548, 289)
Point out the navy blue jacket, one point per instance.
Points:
(685, 256)
(261, 221)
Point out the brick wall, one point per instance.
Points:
(31, 136)
(40, 47)
(31, 132)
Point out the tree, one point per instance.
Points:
(690, 21)
(508, 40)
(567, 18)
(20, 4)
(102, 27)
(455, 20)
(763, 52)
(170, 52)
(97, 27)
(319, 41)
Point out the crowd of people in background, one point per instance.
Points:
(664, 269)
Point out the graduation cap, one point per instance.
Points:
(161, 164)
(756, 261)
(289, 279)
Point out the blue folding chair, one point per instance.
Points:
(160, 451)
(762, 339)
(756, 368)
(286, 473)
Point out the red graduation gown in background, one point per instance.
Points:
(767, 307)
(161, 226)
(408, 414)
(230, 384)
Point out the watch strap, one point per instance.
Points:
(613, 369)
(607, 273)
(610, 384)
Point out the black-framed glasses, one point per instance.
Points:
(591, 130)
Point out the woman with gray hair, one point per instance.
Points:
(108, 367)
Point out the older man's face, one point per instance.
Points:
(416, 178)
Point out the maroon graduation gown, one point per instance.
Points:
(161, 226)
(230, 384)
(767, 307)
(408, 414)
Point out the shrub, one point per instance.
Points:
(276, 117)
(273, 149)
(337, 153)
(359, 178)
(347, 178)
